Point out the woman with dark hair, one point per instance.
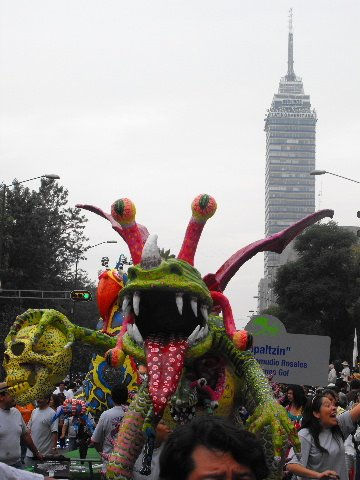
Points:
(296, 399)
(322, 437)
(54, 401)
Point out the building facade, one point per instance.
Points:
(290, 125)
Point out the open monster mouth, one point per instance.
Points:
(166, 323)
(167, 315)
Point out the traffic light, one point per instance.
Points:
(81, 295)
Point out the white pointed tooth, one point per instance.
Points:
(204, 312)
(193, 336)
(193, 303)
(136, 303)
(200, 334)
(206, 330)
(137, 335)
(130, 330)
(125, 305)
(179, 302)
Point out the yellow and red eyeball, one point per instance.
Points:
(123, 211)
(203, 207)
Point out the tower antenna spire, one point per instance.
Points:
(290, 21)
(290, 72)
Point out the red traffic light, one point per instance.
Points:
(81, 295)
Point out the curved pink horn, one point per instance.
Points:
(274, 243)
(115, 225)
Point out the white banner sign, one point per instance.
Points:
(287, 357)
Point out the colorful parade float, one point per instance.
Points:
(173, 321)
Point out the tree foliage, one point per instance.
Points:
(319, 293)
(43, 236)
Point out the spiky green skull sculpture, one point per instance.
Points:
(36, 359)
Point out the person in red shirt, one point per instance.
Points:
(26, 412)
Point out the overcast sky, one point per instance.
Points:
(160, 101)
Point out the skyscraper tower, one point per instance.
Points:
(290, 157)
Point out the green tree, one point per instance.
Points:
(318, 293)
(42, 238)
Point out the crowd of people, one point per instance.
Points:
(186, 453)
(208, 447)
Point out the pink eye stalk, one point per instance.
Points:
(203, 207)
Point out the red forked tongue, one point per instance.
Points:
(165, 362)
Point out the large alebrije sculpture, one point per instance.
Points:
(197, 361)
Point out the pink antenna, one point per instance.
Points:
(123, 211)
(203, 207)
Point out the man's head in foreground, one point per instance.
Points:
(119, 394)
(211, 448)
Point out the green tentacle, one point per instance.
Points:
(130, 439)
(90, 337)
(45, 317)
(255, 388)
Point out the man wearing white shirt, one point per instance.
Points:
(43, 431)
(61, 389)
(107, 428)
(12, 429)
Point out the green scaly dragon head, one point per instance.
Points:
(165, 299)
(166, 305)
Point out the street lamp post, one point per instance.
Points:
(79, 252)
(50, 176)
(323, 172)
